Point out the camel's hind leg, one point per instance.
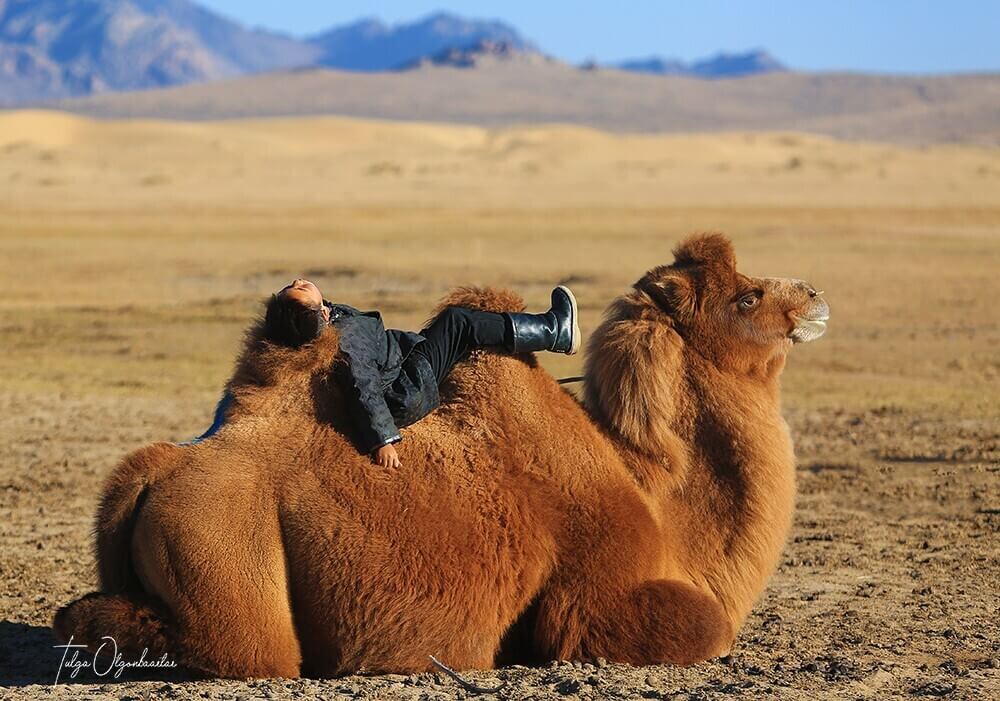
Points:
(223, 579)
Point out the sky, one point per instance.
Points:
(891, 36)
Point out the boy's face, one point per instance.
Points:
(306, 294)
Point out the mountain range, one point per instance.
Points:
(52, 49)
(722, 65)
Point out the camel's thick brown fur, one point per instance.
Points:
(521, 525)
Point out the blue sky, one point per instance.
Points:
(878, 35)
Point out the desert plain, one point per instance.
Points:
(134, 253)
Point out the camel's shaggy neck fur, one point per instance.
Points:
(708, 445)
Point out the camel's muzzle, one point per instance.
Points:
(810, 324)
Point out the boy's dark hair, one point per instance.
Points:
(290, 323)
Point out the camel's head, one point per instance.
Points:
(735, 320)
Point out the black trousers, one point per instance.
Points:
(457, 331)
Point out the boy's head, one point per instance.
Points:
(295, 314)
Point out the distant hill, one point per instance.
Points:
(483, 53)
(370, 45)
(500, 93)
(655, 65)
(57, 48)
(722, 65)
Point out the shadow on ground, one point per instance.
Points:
(31, 655)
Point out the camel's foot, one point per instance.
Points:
(134, 622)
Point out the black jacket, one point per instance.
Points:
(387, 384)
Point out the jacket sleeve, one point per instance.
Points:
(375, 424)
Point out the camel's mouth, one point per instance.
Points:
(808, 328)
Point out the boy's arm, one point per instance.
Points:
(376, 427)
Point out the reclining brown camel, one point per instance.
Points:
(640, 527)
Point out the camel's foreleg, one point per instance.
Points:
(657, 622)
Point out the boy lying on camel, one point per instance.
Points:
(393, 375)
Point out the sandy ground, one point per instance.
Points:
(127, 274)
(888, 586)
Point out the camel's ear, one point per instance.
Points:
(706, 249)
(672, 291)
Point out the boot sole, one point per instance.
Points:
(577, 335)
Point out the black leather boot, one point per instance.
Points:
(557, 330)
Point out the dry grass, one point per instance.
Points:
(136, 271)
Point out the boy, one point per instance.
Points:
(393, 376)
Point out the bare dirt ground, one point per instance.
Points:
(127, 274)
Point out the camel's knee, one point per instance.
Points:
(240, 639)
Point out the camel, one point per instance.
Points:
(639, 525)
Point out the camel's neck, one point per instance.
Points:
(728, 509)
(706, 442)
(728, 422)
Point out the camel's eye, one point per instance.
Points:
(748, 301)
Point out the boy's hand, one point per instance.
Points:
(386, 456)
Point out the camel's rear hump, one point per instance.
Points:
(485, 299)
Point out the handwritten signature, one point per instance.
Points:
(116, 663)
